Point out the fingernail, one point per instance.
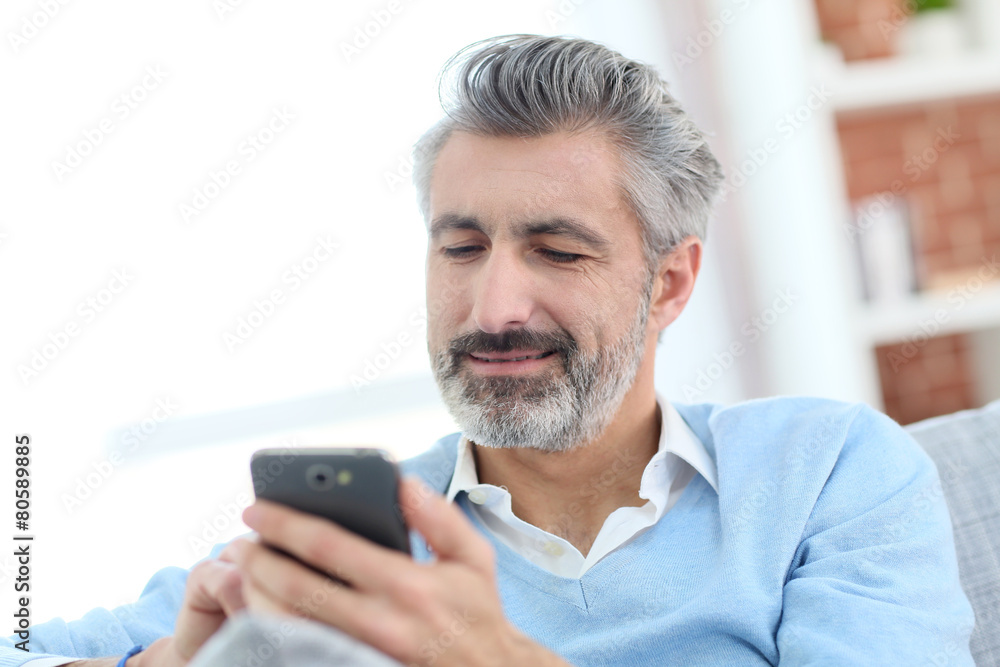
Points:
(234, 548)
(250, 515)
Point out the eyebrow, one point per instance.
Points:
(568, 227)
(450, 221)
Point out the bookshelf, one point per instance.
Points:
(939, 312)
(898, 81)
(962, 300)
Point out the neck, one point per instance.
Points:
(571, 493)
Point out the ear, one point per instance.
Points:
(674, 282)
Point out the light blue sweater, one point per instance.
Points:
(829, 543)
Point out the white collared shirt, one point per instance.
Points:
(680, 455)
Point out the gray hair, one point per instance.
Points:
(531, 85)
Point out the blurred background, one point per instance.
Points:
(209, 242)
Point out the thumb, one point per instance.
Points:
(445, 528)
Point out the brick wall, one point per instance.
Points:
(926, 380)
(944, 159)
(861, 28)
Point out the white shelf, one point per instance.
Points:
(891, 82)
(950, 311)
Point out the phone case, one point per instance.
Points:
(356, 488)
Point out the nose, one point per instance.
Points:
(504, 292)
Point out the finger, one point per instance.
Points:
(215, 587)
(289, 582)
(370, 620)
(277, 584)
(325, 545)
(228, 553)
(447, 530)
(259, 601)
(212, 592)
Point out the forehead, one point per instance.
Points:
(505, 179)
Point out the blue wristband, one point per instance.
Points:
(132, 651)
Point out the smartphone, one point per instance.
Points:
(357, 488)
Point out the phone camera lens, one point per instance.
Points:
(321, 476)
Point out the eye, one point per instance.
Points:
(559, 257)
(461, 251)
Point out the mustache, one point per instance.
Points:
(514, 339)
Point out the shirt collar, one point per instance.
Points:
(676, 438)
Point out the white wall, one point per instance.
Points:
(158, 345)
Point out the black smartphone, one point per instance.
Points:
(357, 488)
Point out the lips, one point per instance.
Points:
(516, 355)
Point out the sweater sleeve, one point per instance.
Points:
(103, 633)
(875, 580)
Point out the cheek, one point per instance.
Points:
(446, 288)
(583, 319)
(445, 315)
(596, 322)
(436, 339)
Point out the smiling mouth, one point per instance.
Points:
(500, 360)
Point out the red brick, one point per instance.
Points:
(853, 26)
(982, 156)
(928, 241)
(855, 45)
(965, 230)
(953, 191)
(973, 111)
(873, 176)
(955, 184)
(942, 370)
(991, 228)
(943, 113)
(989, 156)
(945, 384)
(989, 185)
(923, 198)
(912, 378)
(968, 255)
(869, 140)
(948, 402)
(940, 345)
(835, 14)
(917, 137)
(937, 262)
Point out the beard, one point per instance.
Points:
(562, 406)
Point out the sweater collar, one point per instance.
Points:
(677, 439)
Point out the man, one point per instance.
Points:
(591, 521)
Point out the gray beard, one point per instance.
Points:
(557, 409)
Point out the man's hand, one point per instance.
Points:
(213, 592)
(447, 612)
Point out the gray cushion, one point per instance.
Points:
(265, 640)
(965, 447)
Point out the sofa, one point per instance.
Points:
(965, 446)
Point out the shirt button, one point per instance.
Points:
(477, 496)
(553, 548)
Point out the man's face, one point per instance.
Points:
(538, 295)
